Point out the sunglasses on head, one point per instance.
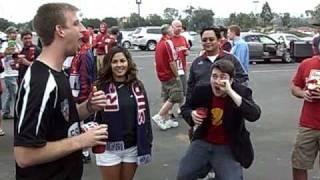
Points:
(206, 39)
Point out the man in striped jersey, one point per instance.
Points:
(47, 139)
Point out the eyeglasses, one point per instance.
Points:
(206, 39)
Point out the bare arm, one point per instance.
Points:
(174, 69)
(96, 101)
(30, 156)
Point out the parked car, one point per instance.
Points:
(146, 38)
(264, 47)
(285, 37)
(299, 48)
(126, 39)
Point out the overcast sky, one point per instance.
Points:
(24, 10)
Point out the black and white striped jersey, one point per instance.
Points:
(44, 112)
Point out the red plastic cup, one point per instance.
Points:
(98, 149)
(203, 112)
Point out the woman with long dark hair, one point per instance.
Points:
(127, 115)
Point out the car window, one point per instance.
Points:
(251, 38)
(266, 40)
(290, 38)
(154, 31)
(137, 31)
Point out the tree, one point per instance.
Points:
(245, 21)
(187, 20)
(266, 15)
(92, 22)
(4, 24)
(171, 14)
(315, 14)
(110, 21)
(202, 18)
(134, 21)
(285, 19)
(25, 26)
(154, 20)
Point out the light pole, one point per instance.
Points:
(138, 2)
(255, 2)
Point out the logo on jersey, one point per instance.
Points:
(74, 130)
(65, 109)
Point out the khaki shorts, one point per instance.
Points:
(306, 148)
(172, 91)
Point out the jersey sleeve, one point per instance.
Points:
(35, 102)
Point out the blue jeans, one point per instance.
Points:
(11, 88)
(202, 153)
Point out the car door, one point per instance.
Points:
(255, 46)
(270, 46)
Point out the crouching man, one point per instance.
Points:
(220, 138)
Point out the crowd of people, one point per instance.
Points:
(81, 90)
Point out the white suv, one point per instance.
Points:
(146, 38)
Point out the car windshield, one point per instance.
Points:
(266, 40)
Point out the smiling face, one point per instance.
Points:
(27, 40)
(210, 41)
(119, 66)
(215, 81)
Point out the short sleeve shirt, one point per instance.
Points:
(44, 112)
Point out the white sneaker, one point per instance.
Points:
(172, 124)
(160, 122)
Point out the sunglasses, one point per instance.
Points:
(206, 39)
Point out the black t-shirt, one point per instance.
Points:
(128, 108)
(44, 112)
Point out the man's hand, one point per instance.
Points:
(97, 101)
(225, 86)
(94, 136)
(312, 95)
(196, 118)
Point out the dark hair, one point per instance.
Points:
(236, 29)
(25, 32)
(225, 66)
(105, 74)
(48, 17)
(215, 29)
(224, 30)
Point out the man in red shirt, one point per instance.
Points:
(100, 45)
(182, 48)
(306, 85)
(166, 68)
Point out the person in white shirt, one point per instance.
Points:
(10, 49)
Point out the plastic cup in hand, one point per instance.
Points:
(203, 112)
(98, 149)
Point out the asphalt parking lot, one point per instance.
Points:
(273, 135)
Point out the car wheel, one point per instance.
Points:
(126, 44)
(151, 45)
(286, 58)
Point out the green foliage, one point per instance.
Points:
(154, 20)
(266, 15)
(171, 14)
(4, 24)
(110, 21)
(201, 18)
(245, 21)
(93, 22)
